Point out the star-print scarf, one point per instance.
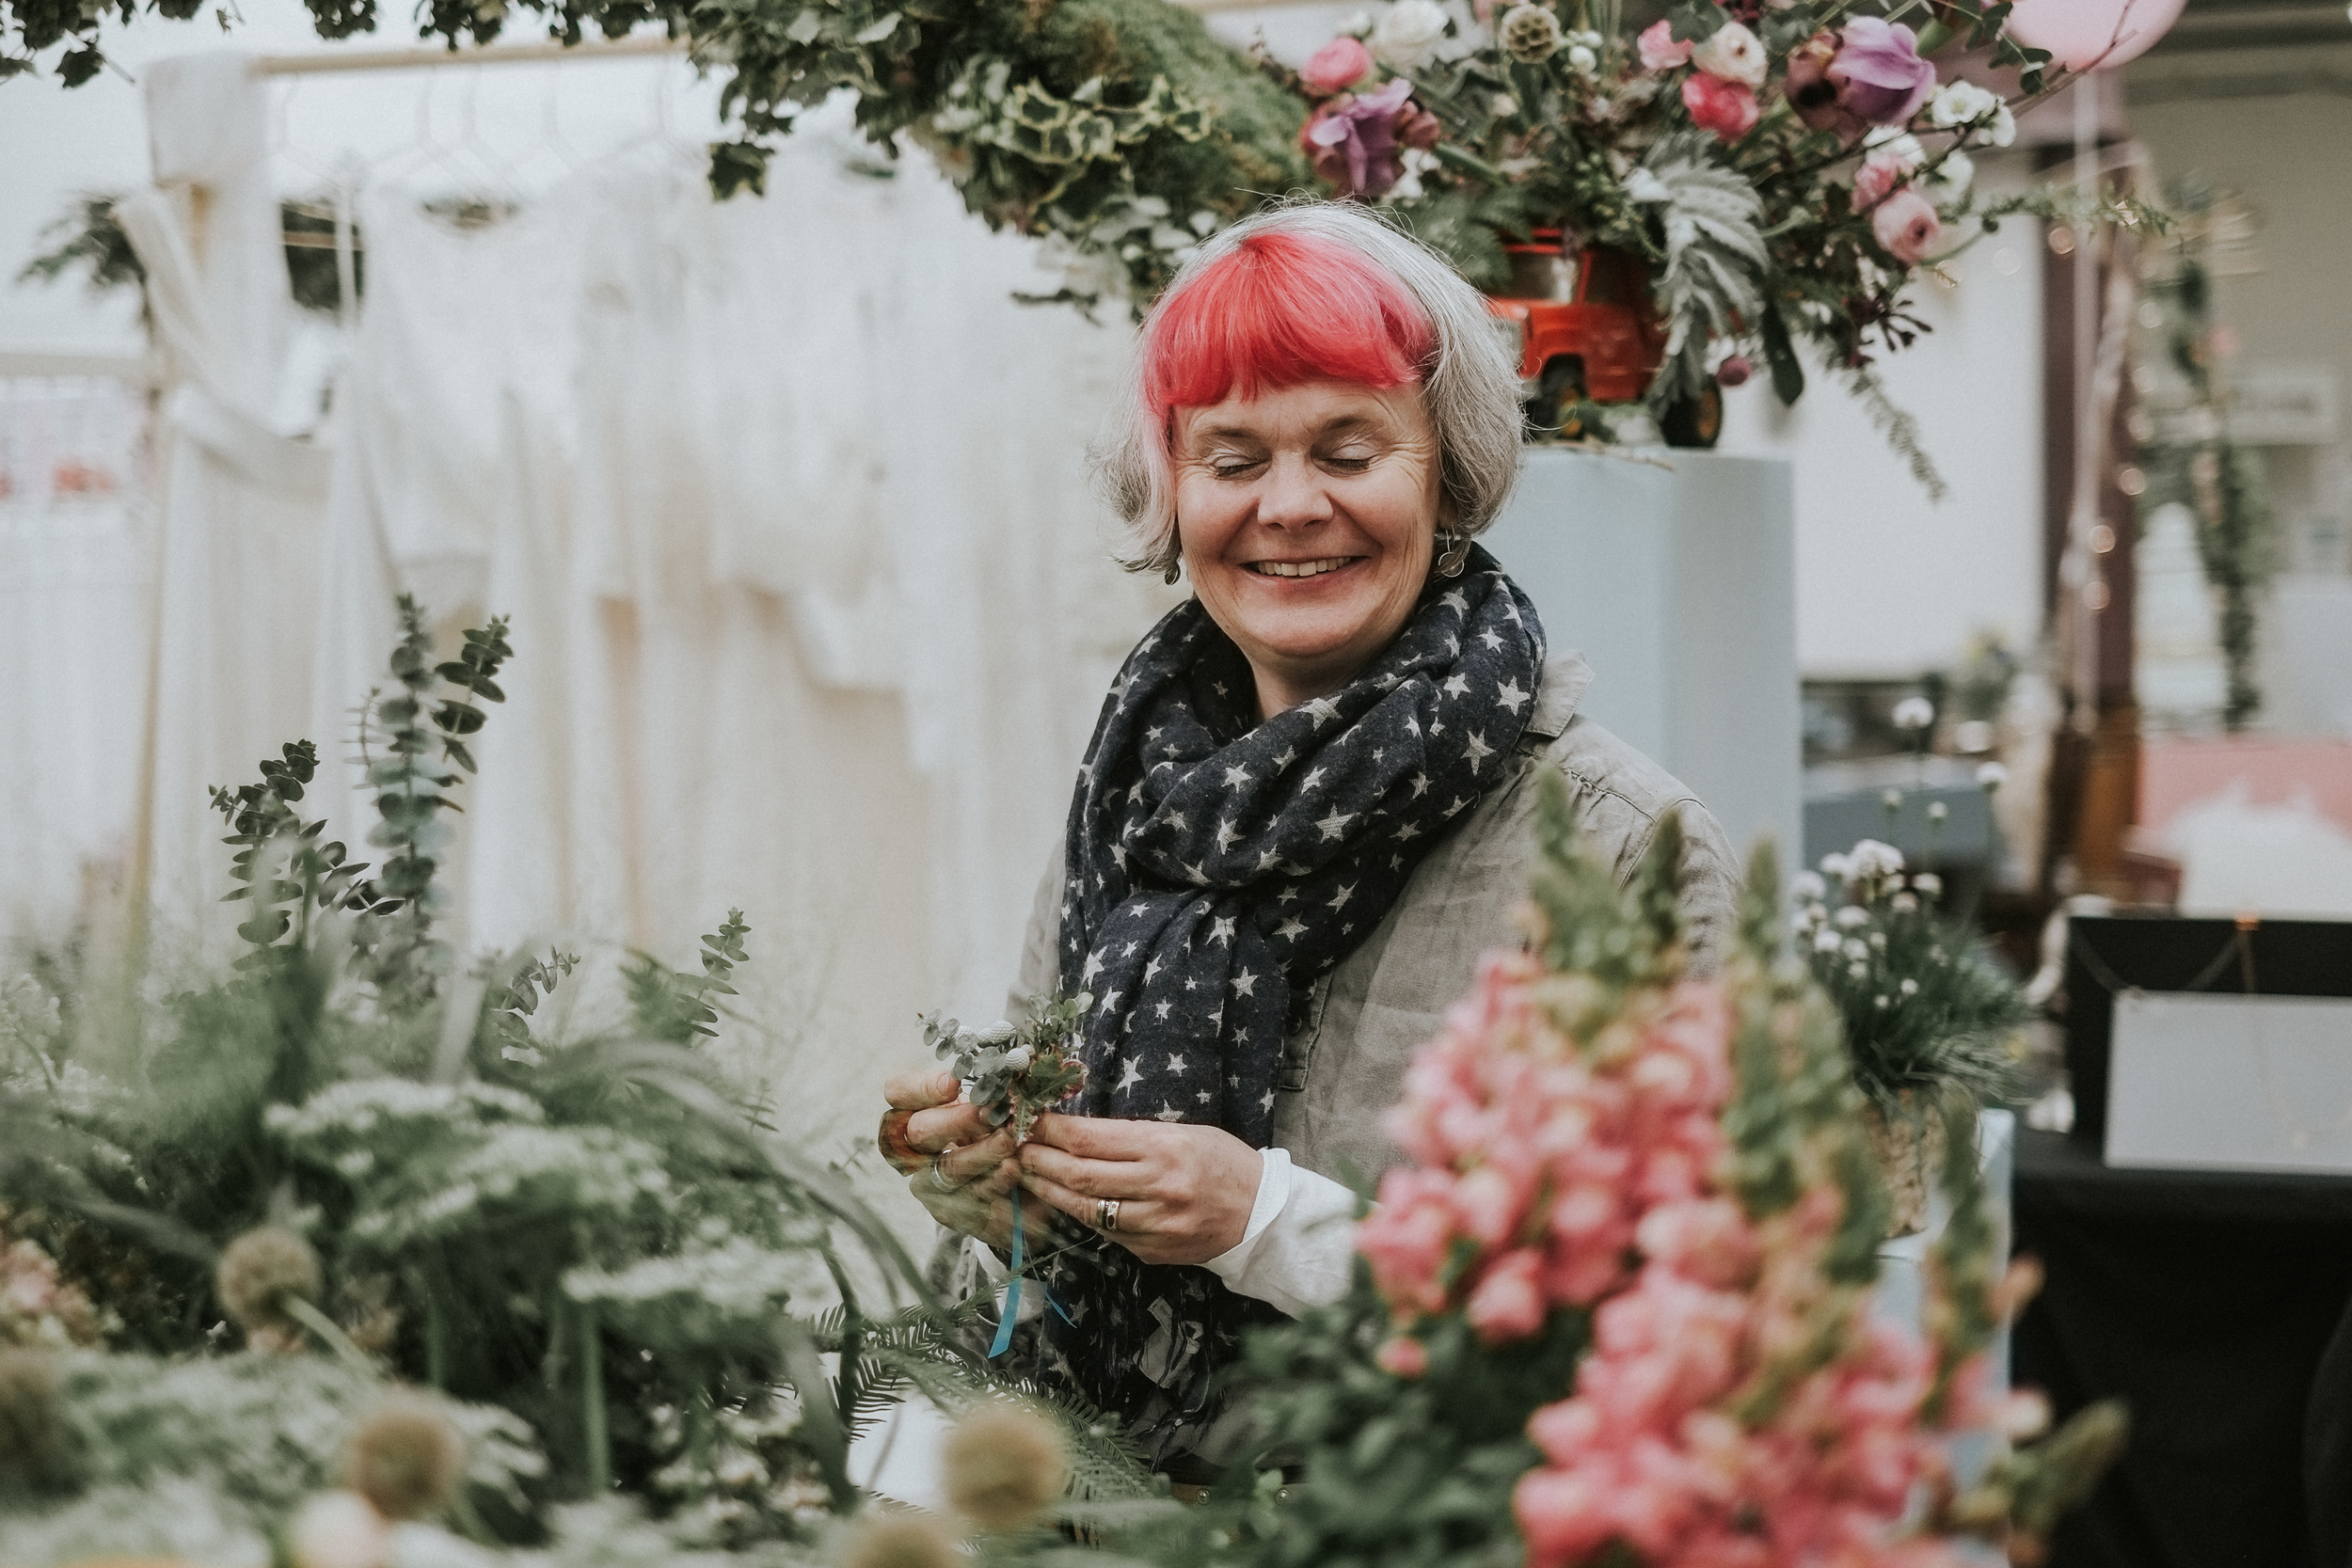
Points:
(1218, 867)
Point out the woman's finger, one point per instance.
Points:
(920, 1088)
(1091, 1178)
(963, 1165)
(1079, 1206)
(1096, 1138)
(934, 1131)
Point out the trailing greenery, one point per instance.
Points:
(88, 239)
(2198, 464)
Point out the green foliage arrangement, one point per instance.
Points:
(1015, 1072)
(377, 1165)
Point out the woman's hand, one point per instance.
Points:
(1183, 1192)
(958, 1167)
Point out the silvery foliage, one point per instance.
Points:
(1015, 1072)
(1715, 255)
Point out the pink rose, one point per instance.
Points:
(1488, 1204)
(1509, 1303)
(1659, 49)
(1727, 109)
(1338, 66)
(1880, 173)
(1906, 226)
(1402, 1356)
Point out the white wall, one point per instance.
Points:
(1888, 582)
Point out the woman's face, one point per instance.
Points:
(1308, 518)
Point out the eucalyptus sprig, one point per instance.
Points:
(1016, 1073)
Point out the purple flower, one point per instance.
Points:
(1353, 141)
(1878, 72)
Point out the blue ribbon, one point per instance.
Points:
(1012, 1291)
(1012, 1314)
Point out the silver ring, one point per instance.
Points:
(940, 1184)
(1106, 1213)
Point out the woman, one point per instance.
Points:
(1303, 814)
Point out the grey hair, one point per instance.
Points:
(1470, 383)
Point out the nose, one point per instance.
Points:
(1294, 496)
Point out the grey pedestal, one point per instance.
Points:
(1679, 587)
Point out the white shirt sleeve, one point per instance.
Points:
(1296, 1250)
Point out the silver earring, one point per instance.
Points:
(1452, 554)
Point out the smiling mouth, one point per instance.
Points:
(1301, 568)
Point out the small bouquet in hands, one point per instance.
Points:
(1016, 1073)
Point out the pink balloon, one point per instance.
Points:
(2084, 34)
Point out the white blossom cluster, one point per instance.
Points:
(590, 1172)
(362, 1105)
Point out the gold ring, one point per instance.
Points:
(1106, 1213)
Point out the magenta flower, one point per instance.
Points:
(1880, 75)
(1353, 139)
(1869, 74)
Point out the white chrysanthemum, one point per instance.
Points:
(1828, 941)
(1851, 916)
(1808, 887)
(1408, 34)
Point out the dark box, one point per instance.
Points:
(2105, 954)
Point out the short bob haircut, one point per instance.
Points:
(1315, 291)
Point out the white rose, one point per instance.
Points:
(1961, 103)
(1733, 54)
(1408, 34)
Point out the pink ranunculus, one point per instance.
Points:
(1338, 66)
(1906, 226)
(1402, 1356)
(1509, 1303)
(1878, 72)
(1880, 173)
(1727, 109)
(1659, 49)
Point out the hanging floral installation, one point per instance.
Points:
(1782, 175)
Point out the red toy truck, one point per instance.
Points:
(1586, 332)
